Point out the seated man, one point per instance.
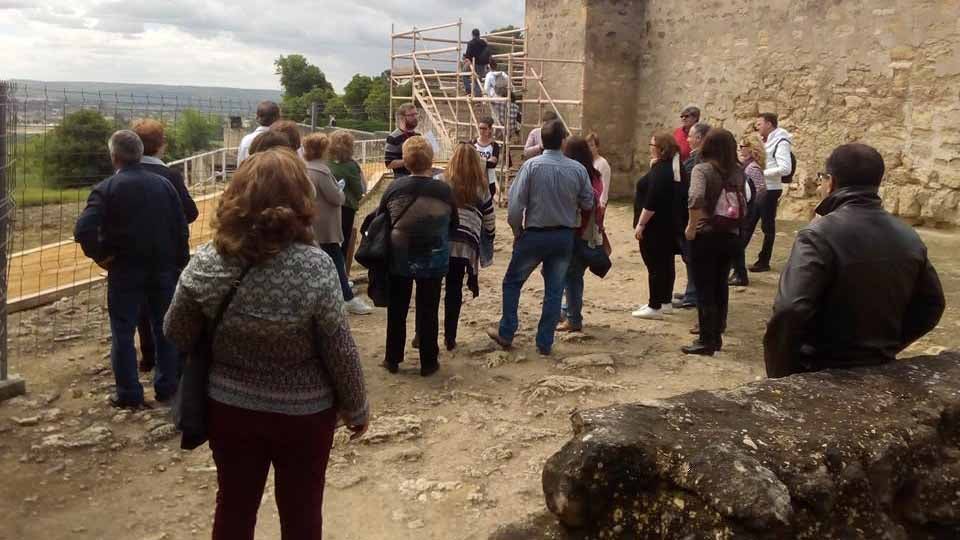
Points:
(858, 287)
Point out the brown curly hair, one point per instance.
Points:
(267, 206)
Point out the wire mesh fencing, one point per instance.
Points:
(55, 151)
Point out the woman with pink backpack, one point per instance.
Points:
(717, 207)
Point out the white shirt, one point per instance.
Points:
(603, 166)
(486, 152)
(490, 83)
(779, 163)
(243, 152)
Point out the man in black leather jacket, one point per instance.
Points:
(858, 287)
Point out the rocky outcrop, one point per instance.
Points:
(866, 453)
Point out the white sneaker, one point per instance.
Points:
(647, 312)
(666, 309)
(358, 307)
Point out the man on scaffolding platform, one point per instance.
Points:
(134, 227)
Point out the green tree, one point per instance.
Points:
(377, 104)
(335, 107)
(192, 133)
(356, 92)
(499, 48)
(75, 153)
(297, 76)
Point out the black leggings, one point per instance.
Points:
(658, 257)
(453, 300)
(427, 322)
(713, 254)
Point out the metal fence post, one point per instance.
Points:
(9, 386)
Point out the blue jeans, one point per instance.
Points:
(553, 249)
(336, 253)
(574, 291)
(128, 288)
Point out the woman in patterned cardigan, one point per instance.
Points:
(284, 364)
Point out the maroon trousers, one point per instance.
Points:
(244, 444)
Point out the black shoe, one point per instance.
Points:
(450, 343)
(165, 399)
(678, 296)
(738, 281)
(426, 371)
(543, 352)
(124, 404)
(759, 267)
(416, 341)
(698, 348)
(390, 366)
(146, 364)
(683, 304)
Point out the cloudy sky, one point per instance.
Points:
(215, 42)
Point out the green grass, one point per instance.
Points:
(30, 191)
(39, 196)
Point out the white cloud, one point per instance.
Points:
(215, 42)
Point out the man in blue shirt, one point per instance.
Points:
(544, 210)
(134, 227)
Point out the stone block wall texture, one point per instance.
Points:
(884, 72)
(560, 34)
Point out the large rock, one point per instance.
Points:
(866, 453)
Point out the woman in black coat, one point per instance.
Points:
(654, 225)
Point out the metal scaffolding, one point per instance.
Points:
(426, 68)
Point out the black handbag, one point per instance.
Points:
(598, 262)
(374, 248)
(189, 409)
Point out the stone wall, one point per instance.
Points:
(885, 72)
(560, 34)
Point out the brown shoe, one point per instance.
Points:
(565, 326)
(501, 341)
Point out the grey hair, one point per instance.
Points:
(125, 146)
(691, 109)
(701, 129)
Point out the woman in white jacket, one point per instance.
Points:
(778, 144)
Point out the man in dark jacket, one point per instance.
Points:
(134, 227)
(698, 132)
(151, 132)
(858, 287)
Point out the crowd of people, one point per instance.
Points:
(273, 285)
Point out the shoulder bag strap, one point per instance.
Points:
(225, 303)
(416, 196)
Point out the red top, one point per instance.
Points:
(680, 135)
(596, 182)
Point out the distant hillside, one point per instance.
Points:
(152, 90)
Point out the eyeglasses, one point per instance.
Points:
(484, 128)
(822, 177)
(412, 115)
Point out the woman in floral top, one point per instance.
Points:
(284, 364)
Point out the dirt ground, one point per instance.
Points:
(448, 457)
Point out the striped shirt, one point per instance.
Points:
(465, 240)
(394, 150)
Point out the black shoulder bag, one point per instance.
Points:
(190, 403)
